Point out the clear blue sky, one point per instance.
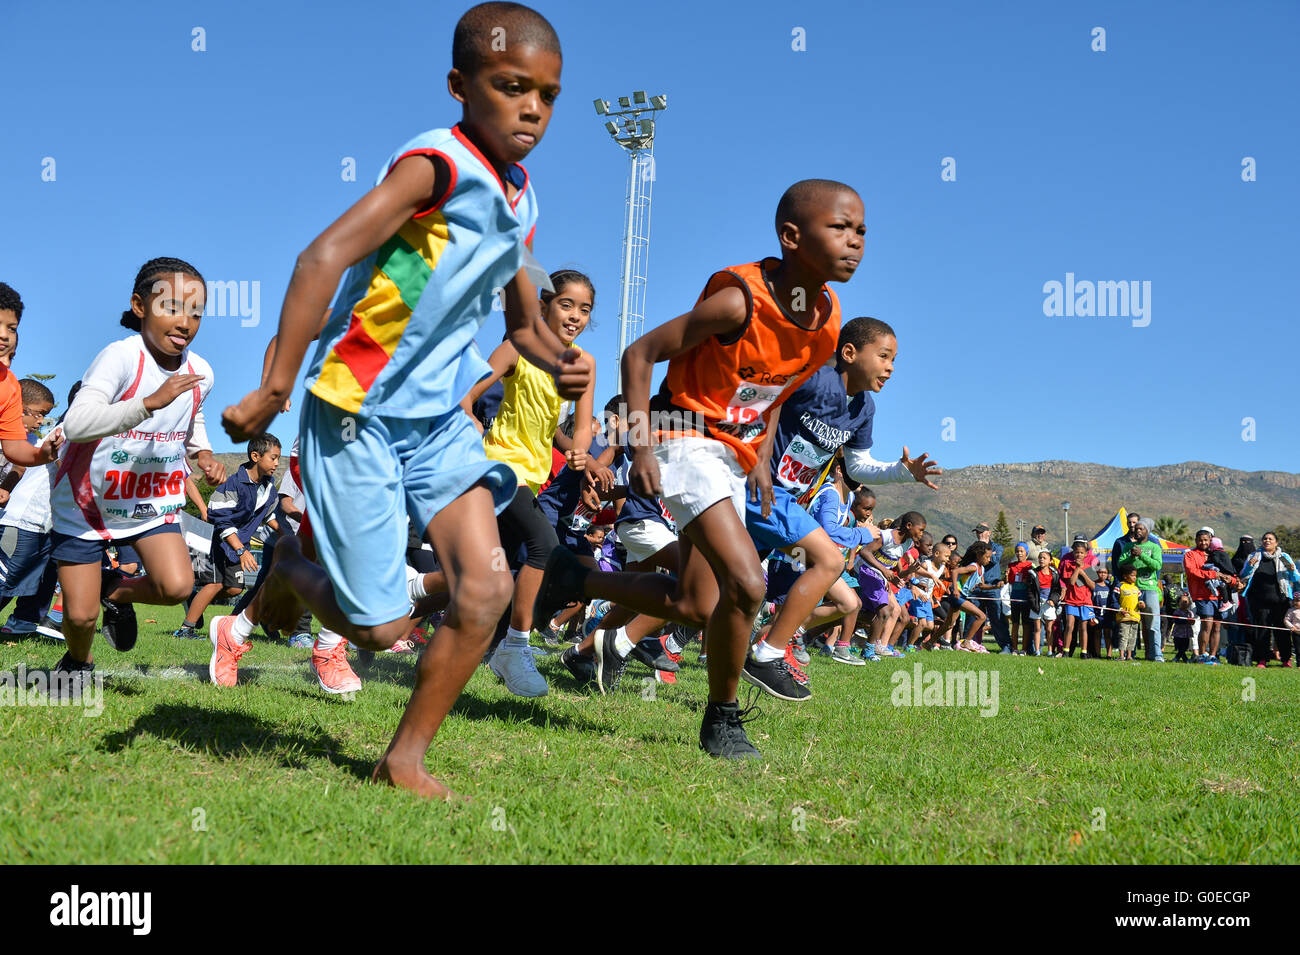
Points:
(1122, 165)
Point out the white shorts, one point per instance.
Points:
(643, 539)
(697, 473)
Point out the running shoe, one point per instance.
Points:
(841, 654)
(800, 651)
(722, 732)
(402, 646)
(302, 641)
(17, 628)
(336, 676)
(118, 624)
(223, 667)
(609, 665)
(775, 678)
(550, 636)
(69, 677)
(516, 667)
(652, 653)
(796, 668)
(186, 632)
(582, 668)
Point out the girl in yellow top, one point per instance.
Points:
(522, 434)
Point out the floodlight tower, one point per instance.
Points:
(632, 126)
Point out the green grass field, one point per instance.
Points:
(1085, 761)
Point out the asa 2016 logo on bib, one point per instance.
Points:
(120, 457)
(145, 510)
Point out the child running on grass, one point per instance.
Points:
(522, 435)
(758, 331)
(134, 423)
(448, 224)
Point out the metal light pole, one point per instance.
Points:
(632, 126)
(1020, 528)
(1065, 506)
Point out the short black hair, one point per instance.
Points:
(797, 201)
(475, 36)
(864, 492)
(262, 443)
(163, 265)
(11, 301)
(860, 332)
(34, 392)
(617, 406)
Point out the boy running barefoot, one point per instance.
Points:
(757, 333)
(446, 226)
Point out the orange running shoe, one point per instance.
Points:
(333, 671)
(223, 668)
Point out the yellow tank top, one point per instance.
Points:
(524, 429)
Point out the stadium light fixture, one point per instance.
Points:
(638, 97)
(602, 107)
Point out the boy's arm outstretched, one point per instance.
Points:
(720, 313)
(376, 217)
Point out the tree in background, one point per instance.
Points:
(1288, 538)
(1173, 529)
(1002, 535)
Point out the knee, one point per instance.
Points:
(81, 620)
(381, 636)
(175, 590)
(234, 591)
(480, 601)
(746, 590)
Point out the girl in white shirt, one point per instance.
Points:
(131, 429)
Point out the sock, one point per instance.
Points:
(516, 638)
(671, 644)
(327, 640)
(799, 633)
(242, 627)
(842, 642)
(765, 653)
(622, 645)
(414, 584)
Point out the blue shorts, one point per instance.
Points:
(23, 556)
(921, 609)
(785, 526)
(364, 476)
(849, 579)
(76, 550)
(904, 595)
(1083, 613)
(1207, 608)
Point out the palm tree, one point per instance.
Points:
(1172, 529)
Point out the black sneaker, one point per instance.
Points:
(118, 625)
(609, 665)
(69, 677)
(723, 732)
(775, 678)
(550, 637)
(582, 668)
(561, 585)
(651, 652)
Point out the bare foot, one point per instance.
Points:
(279, 605)
(415, 778)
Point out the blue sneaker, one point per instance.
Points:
(185, 632)
(302, 641)
(867, 653)
(1006, 650)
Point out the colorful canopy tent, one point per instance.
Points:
(1104, 540)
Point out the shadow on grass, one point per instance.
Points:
(229, 735)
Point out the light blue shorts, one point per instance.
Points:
(1082, 612)
(786, 525)
(363, 476)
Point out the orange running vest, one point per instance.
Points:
(727, 389)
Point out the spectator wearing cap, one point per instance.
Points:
(1137, 549)
(1037, 543)
(990, 603)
